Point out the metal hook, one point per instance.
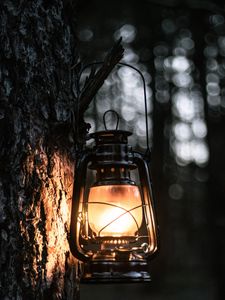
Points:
(117, 118)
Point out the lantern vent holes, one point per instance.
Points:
(113, 174)
(116, 242)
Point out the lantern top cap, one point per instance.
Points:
(110, 136)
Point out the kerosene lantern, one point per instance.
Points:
(113, 223)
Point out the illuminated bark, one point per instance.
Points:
(38, 48)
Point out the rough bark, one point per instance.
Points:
(37, 50)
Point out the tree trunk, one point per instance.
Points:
(37, 50)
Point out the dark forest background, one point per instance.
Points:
(179, 45)
(180, 48)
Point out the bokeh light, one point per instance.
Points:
(124, 93)
(127, 32)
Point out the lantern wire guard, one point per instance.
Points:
(113, 223)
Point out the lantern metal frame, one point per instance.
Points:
(112, 151)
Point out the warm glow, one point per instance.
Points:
(115, 210)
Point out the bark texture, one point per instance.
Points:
(37, 50)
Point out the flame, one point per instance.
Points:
(115, 210)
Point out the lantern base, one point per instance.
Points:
(115, 272)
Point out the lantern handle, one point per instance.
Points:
(144, 94)
(117, 118)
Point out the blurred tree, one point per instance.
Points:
(179, 45)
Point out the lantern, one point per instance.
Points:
(113, 223)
